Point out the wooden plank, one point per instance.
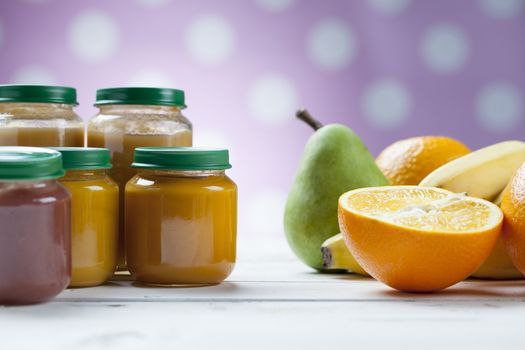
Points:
(338, 290)
(272, 300)
(270, 325)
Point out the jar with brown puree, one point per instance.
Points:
(39, 115)
(131, 117)
(35, 234)
(94, 214)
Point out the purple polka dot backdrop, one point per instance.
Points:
(389, 69)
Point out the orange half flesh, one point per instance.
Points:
(418, 239)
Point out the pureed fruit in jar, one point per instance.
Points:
(181, 216)
(35, 234)
(136, 117)
(94, 214)
(39, 115)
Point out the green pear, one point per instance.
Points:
(335, 161)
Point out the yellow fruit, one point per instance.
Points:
(484, 173)
(499, 264)
(513, 207)
(336, 256)
(407, 162)
(418, 239)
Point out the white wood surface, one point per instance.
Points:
(272, 301)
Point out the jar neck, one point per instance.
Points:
(84, 175)
(127, 109)
(182, 173)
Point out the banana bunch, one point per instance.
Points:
(484, 173)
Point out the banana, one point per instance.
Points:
(498, 199)
(484, 173)
(336, 256)
(498, 265)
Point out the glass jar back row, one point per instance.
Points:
(128, 117)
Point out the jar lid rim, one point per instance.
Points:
(181, 158)
(38, 94)
(29, 163)
(78, 158)
(141, 96)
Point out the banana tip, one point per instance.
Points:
(327, 257)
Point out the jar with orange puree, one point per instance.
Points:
(181, 216)
(94, 214)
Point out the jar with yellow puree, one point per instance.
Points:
(181, 216)
(131, 117)
(39, 115)
(94, 214)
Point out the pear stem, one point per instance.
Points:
(306, 117)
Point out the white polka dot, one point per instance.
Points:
(501, 9)
(210, 39)
(499, 107)
(389, 7)
(331, 44)
(265, 212)
(33, 75)
(445, 48)
(273, 99)
(151, 77)
(386, 104)
(93, 36)
(275, 5)
(152, 3)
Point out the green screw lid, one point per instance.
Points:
(38, 94)
(141, 96)
(29, 163)
(76, 158)
(181, 158)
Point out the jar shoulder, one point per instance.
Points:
(145, 182)
(139, 120)
(104, 183)
(19, 193)
(38, 113)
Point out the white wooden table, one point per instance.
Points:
(272, 301)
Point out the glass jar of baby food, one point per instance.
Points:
(94, 214)
(35, 234)
(181, 217)
(133, 117)
(39, 115)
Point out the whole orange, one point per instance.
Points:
(513, 207)
(407, 162)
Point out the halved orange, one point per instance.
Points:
(418, 239)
